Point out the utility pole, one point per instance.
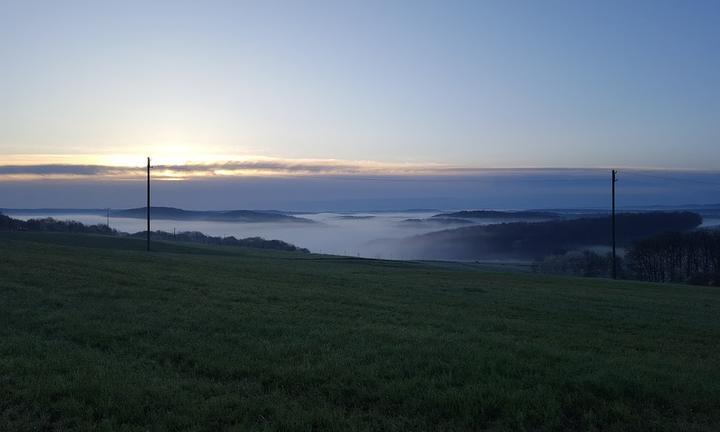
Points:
(108, 217)
(148, 204)
(614, 256)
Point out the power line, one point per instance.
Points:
(554, 178)
(614, 256)
(675, 179)
(436, 179)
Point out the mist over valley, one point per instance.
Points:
(465, 235)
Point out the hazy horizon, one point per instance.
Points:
(528, 189)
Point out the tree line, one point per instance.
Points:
(53, 225)
(688, 257)
(535, 240)
(691, 257)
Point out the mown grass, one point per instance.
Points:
(96, 334)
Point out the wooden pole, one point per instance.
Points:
(614, 256)
(148, 204)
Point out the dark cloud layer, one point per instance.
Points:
(491, 189)
(210, 169)
(53, 169)
(336, 168)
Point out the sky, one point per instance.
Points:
(233, 97)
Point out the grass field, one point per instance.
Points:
(96, 334)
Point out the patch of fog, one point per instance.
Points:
(709, 222)
(333, 233)
(369, 235)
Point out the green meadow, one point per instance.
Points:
(97, 334)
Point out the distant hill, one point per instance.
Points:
(436, 221)
(495, 214)
(537, 239)
(687, 206)
(705, 210)
(52, 212)
(352, 217)
(57, 226)
(247, 216)
(468, 217)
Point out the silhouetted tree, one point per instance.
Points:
(691, 257)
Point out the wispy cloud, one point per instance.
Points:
(62, 171)
(258, 167)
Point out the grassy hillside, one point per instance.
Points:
(96, 334)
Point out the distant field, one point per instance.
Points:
(96, 334)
